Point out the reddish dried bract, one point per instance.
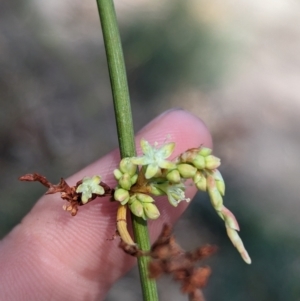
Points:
(167, 257)
(67, 193)
(35, 177)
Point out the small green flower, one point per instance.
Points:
(175, 192)
(88, 187)
(154, 158)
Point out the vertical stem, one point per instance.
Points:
(118, 78)
(119, 85)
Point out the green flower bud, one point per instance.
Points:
(184, 157)
(136, 208)
(217, 175)
(134, 179)
(156, 191)
(118, 174)
(199, 162)
(186, 170)
(189, 155)
(198, 176)
(126, 166)
(125, 181)
(214, 194)
(144, 198)
(221, 187)
(212, 162)
(205, 151)
(219, 181)
(229, 218)
(151, 210)
(174, 176)
(151, 171)
(121, 195)
(200, 181)
(158, 174)
(237, 242)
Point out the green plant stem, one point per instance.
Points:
(119, 85)
(118, 78)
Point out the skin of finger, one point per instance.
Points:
(53, 256)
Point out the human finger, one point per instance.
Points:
(53, 256)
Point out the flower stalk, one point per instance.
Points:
(120, 91)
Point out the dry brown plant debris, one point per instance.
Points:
(68, 193)
(167, 257)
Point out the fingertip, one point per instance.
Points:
(95, 262)
(186, 129)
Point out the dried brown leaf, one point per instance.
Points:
(167, 257)
(36, 177)
(67, 193)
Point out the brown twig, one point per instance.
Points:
(68, 193)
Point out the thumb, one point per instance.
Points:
(51, 255)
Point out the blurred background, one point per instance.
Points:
(235, 64)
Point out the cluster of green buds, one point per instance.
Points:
(204, 173)
(140, 204)
(159, 176)
(152, 174)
